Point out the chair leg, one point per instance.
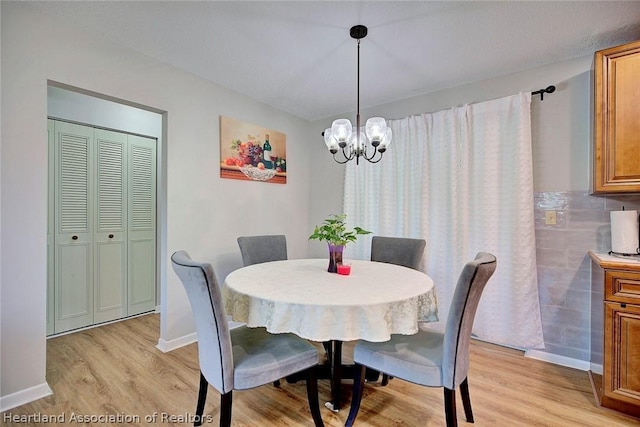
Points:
(450, 407)
(356, 395)
(312, 396)
(202, 398)
(226, 401)
(466, 400)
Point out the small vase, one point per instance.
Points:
(335, 257)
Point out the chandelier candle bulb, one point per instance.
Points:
(624, 232)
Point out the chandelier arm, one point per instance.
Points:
(346, 160)
(365, 152)
(344, 154)
(373, 155)
(375, 161)
(350, 156)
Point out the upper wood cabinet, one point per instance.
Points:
(617, 120)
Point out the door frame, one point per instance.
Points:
(76, 105)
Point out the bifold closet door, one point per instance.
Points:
(142, 224)
(73, 276)
(110, 237)
(103, 217)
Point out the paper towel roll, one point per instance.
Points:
(624, 232)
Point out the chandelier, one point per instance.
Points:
(354, 143)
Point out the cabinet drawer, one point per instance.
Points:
(622, 286)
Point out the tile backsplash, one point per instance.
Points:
(564, 278)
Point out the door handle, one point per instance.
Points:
(111, 236)
(74, 237)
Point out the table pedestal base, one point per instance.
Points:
(335, 371)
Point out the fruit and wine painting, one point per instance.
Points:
(253, 153)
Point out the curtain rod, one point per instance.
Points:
(541, 92)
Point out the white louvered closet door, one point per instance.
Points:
(73, 277)
(142, 224)
(110, 237)
(104, 216)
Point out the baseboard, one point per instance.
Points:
(22, 397)
(97, 325)
(596, 369)
(167, 346)
(558, 360)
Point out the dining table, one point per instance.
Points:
(372, 302)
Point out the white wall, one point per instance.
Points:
(204, 213)
(561, 129)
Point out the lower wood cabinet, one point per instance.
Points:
(621, 370)
(620, 386)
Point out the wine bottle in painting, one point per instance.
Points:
(266, 151)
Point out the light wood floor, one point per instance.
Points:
(116, 369)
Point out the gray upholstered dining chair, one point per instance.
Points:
(258, 249)
(403, 251)
(398, 250)
(428, 358)
(241, 358)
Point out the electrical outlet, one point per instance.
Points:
(550, 217)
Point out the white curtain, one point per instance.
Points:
(462, 179)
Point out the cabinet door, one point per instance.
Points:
(110, 300)
(73, 280)
(621, 379)
(142, 224)
(617, 128)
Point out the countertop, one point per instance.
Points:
(618, 262)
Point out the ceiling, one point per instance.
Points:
(298, 56)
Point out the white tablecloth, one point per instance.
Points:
(300, 296)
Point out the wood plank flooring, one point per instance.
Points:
(116, 371)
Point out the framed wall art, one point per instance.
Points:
(251, 152)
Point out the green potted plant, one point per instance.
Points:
(334, 231)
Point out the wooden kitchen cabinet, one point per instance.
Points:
(617, 127)
(619, 388)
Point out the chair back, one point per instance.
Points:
(457, 335)
(398, 250)
(259, 249)
(214, 340)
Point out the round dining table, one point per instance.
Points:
(299, 296)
